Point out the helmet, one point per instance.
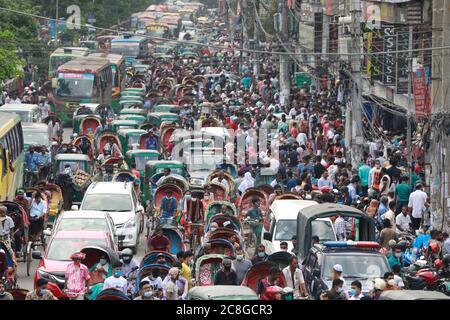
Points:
(434, 247)
(379, 284)
(127, 252)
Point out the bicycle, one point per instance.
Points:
(33, 243)
(249, 234)
(195, 231)
(31, 178)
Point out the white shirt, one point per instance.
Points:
(38, 210)
(53, 130)
(417, 201)
(391, 216)
(45, 108)
(302, 138)
(274, 164)
(6, 226)
(294, 280)
(116, 283)
(399, 281)
(224, 182)
(156, 284)
(403, 221)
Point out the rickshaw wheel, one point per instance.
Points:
(28, 257)
(141, 227)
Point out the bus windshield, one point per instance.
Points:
(126, 48)
(57, 61)
(75, 85)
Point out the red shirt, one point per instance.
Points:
(294, 132)
(159, 243)
(136, 173)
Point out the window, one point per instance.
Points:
(312, 261)
(3, 159)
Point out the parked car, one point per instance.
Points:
(53, 262)
(27, 112)
(121, 202)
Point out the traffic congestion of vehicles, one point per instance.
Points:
(163, 158)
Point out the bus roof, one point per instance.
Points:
(7, 120)
(84, 64)
(130, 39)
(114, 58)
(74, 51)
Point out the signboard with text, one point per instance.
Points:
(388, 59)
(421, 93)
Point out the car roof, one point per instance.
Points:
(34, 126)
(324, 208)
(72, 157)
(413, 295)
(80, 234)
(19, 107)
(84, 214)
(110, 187)
(288, 209)
(221, 291)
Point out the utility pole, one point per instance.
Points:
(285, 80)
(244, 34)
(356, 103)
(256, 37)
(438, 155)
(57, 21)
(409, 113)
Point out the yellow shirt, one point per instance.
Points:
(186, 273)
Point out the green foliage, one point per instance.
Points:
(10, 63)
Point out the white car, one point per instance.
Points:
(121, 202)
(84, 220)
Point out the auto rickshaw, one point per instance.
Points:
(157, 167)
(138, 91)
(134, 117)
(233, 293)
(82, 170)
(130, 138)
(133, 111)
(140, 157)
(118, 124)
(166, 108)
(127, 103)
(158, 118)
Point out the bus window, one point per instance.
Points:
(3, 160)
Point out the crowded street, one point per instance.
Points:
(200, 151)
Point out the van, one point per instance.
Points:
(27, 112)
(283, 223)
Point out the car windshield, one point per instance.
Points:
(285, 230)
(35, 137)
(83, 224)
(75, 165)
(356, 266)
(25, 116)
(142, 160)
(107, 202)
(75, 85)
(323, 229)
(60, 249)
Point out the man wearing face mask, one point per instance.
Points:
(116, 281)
(260, 254)
(129, 263)
(226, 276)
(3, 294)
(41, 292)
(240, 265)
(336, 292)
(145, 292)
(77, 277)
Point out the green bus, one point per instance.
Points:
(11, 155)
(118, 75)
(83, 80)
(63, 55)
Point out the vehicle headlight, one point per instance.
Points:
(130, 223)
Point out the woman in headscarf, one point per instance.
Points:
(247, 182)
(372, 208)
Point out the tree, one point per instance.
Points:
(10, 63)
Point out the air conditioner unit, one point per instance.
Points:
(344, 47)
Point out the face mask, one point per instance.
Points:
(117, 274)
(188, 196)
(339, 290)
(103, 261)
(398, 254)
(353, 292)
(240, 257)
(206, 197)
(148, 294)
(284, 249)
(127, 260)
(213, 229)
(261, 254)
(43, 291)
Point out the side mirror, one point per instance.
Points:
(316, 273)
(267, 236)
(36, 255)
(47, 232)
(74, 207)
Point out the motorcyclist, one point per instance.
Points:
(129, 263)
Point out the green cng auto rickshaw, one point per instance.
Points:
(155, 169)
(135, 117)
(82, 172)
(119, 124)
(133, 111)
(126, 103)
(166, 108)
(159, 117)
(130, 137)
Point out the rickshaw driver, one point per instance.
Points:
(85, 146)
(159, 242)
(165, 175)
(112, 146)
(37, 212)
(6, 225)
(168, 207)
(221, 180)
(255, 214)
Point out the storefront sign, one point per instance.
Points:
(421, 93)
(388, 59)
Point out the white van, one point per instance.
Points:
(27, 112)
(283, 225)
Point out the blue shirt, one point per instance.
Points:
(151, 143)
(168, 207)
(291, 183)
(31, 161)
(44, 159)
(382, 209)
(352, 192)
